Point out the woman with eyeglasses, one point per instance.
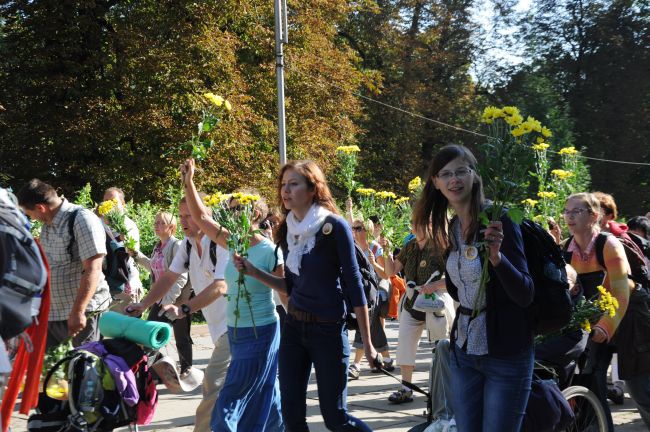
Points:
(250, 397)
(492, 336)
(321, 271)
(582, 215)
(361, 231)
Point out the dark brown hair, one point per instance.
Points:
(36, 192)
(430, 214)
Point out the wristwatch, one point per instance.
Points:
(186, 309)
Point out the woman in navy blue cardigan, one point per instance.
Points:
(492, 337)
(320, 271)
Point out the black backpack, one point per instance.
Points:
(22, 272)
(116, 262)
(369, 280)
(551, 309)
(213, 253)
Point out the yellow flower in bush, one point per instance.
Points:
(106, 207)
(540, 146)
(530, 202)
(546, 132)
(515, 119)
(366, 191)
(415, 184)
(569, 151)
(490, 113)
(401, 200)
(227, 105)
(534, 124)
(214, 99)
(386, 195)
(561, 174)
(546, 194)
(348, 149)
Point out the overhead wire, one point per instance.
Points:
(438, 122)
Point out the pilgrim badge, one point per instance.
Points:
(423, 263)
(327, 228)
(471, 253)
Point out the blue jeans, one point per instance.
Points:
(490, 394)
(326, 347)
(639, 388)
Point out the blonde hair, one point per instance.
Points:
(588, 199)
(167, 217)
(368, 225)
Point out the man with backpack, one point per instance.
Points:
(205, 262)
(632, 338)
(77, 283)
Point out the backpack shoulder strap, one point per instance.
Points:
(565, 250)
(275, 256)
(213, 253)
(600, 248)
(71, 221)
(188, 249)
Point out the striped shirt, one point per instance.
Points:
(90, 240)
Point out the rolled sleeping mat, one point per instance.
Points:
(151, 334)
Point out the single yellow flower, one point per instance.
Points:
(514, 120)
(227, 105)
(546, 132)
(215, 99)
(569, 151)
(534, 124)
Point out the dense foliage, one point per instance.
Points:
(107, 91)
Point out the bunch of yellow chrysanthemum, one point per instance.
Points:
(542, 146)
(348, 149)
(106, 207)
(245, 198)
(386, 195)
(547, 194)
(401, 200)
(607, 303)
(569, 151)
(530, 202)
(366, 191)
(561, 174)
(218, 101)
(415, 184)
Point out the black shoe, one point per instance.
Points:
(616, 395)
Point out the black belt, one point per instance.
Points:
(467, 311)
(304, 316)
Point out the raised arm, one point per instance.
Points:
(201, 215)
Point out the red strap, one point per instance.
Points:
(28, 363)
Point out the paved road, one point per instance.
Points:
(366, 398)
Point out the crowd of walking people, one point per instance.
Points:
(306, 270)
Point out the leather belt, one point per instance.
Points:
(303, 316)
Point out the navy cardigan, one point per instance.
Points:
(318, 289)
(508, 293)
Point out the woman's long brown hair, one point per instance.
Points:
(431, 214)
(316, 182)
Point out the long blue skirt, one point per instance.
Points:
(250, 397)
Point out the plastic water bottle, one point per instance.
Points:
(90, 391)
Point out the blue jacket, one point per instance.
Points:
(509, 291)
(318, 289)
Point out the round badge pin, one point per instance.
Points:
(423, 263)
(327, 228)
(471, 253)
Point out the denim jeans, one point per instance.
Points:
(489, 393)
(326, 347)
(639, 389)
